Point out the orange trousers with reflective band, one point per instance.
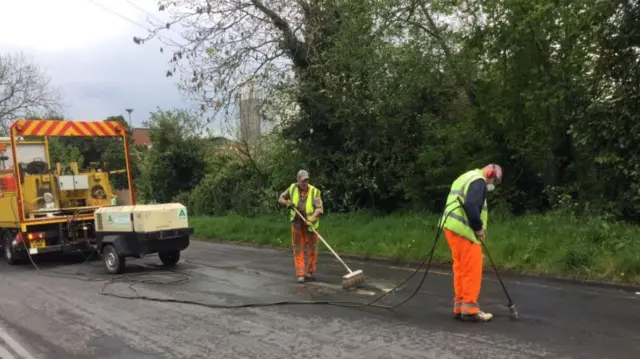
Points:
(467, 273)
(304, 241)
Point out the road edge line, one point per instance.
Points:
(14, 345)
(5, 354)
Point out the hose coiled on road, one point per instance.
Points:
(184, 278)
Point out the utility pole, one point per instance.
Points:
(129, 110)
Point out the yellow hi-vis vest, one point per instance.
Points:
(294, 194)
(457, 219)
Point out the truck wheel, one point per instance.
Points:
(112, 261)
(10, 254)
(169, 258)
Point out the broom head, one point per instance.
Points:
(353, 279)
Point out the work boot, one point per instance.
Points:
(309, 276)
(457, 308)
(301, 279)
(478, 317)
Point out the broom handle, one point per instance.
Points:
(325, 242)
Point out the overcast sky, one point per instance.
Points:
(89, 54)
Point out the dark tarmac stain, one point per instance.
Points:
(556, 321)
(108, 347)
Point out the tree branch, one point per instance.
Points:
(24, 90)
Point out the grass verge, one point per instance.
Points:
(551, 244)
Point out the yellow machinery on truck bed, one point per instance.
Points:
(46, 208)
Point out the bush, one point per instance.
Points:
(247, 182)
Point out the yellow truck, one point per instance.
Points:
(46, 207)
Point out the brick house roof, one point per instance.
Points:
(141, 137)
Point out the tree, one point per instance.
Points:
(175, 163)
(394, 99)
(25, 90)
(229, 43)
(607, 131)
(290, 45)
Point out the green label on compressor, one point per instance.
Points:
(182, 215)
(122, 220)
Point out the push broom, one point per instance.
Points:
(353, 278)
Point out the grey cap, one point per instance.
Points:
(303, 175)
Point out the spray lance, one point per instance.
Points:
(512, 307)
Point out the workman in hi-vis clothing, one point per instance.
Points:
(306, 198)
(466, 223)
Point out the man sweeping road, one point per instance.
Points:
(463, 227)
(307, 199)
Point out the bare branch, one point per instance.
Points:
(426, 23)
(246, 156)
(229, 42)
(25, 90)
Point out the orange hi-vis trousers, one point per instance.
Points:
(302, 239)
(467, 273)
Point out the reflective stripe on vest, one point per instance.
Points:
(457, 218)
(312, 193)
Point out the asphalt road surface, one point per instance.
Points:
(45, 316)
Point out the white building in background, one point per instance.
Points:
(250, 100)
(259, 114)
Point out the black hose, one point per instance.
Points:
(185, 278)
